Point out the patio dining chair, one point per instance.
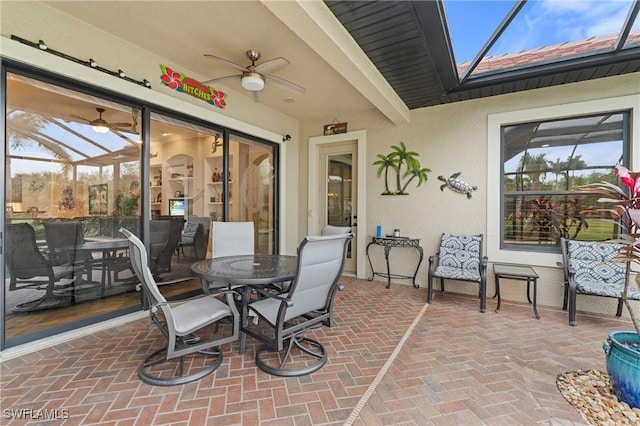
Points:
(459, 258)
(332, 230)
(190, 327)
(29, 268)
(229, 239)
(192, 236)
(307, 304)
(62, 237)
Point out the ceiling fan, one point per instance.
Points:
(100, 125)
(254, 77)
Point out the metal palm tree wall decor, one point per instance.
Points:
(406, 166)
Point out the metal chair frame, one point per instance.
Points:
(481, 279)
(179, 323)
(307, 304)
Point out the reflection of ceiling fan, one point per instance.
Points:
(100, 125)
(254, 77)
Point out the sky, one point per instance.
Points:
(539, 23)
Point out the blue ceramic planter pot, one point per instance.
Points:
(623, 365)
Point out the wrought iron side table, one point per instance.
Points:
(519, 273)
(388, 243)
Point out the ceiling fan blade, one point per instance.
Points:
(283, 84)
(257, 96)
(224, 61)
(215, 80)
(272, 66)
(127, 125)
(81, 118)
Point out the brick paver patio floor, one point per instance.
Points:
(393, 360)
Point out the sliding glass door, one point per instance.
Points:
(72, 179)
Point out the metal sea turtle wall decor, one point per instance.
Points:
(457, 185)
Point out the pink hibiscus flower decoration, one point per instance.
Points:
(171, 78)
(217, 97)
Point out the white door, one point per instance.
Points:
(338, 195)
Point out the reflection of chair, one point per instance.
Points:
(164, 238)
(589, 268)
(179, 323)
(332, 230)
(459, 258)
(229, 239)
(62, 238)
(28, 268)
(307, 304)
(192, 236)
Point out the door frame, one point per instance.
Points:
(315, 143)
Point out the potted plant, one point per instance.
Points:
(622, 348)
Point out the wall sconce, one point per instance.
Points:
(286, 138)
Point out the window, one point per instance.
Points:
(543, 162)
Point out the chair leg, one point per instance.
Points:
(168, 374)
(619, 310)
(572, 308)
(266, 357)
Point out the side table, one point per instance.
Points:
(388, 243)
(519, 273)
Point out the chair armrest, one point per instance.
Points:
(433, 257)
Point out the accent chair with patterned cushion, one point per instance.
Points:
(459, 258)
(590, 268)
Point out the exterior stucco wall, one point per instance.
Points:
(454, 138)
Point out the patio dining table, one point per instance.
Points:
(258, 270)
(109, 249)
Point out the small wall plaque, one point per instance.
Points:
(335, 128)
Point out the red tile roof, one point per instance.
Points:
(555, 53)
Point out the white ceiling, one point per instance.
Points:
(182, 31)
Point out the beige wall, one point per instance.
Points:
(449, 138)
(453, 138)
(34, 21)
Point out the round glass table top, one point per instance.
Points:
(258, 269)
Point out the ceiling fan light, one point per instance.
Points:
(100, 129)
(252, 81)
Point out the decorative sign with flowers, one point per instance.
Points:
(181, 83)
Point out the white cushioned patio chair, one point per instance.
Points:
(307, 304)
(590, 269)
(190, 327)
(459, 258)
(332, 230)
(229, 239)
